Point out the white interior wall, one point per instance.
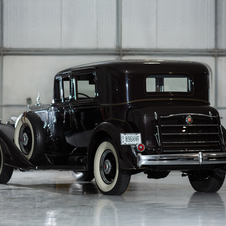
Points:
(59, 24)
(221, 24)
(221, 89)
(160, 25)
(32, 74)
(168, 24)
(32, 24)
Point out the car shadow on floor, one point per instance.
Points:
(76, 188)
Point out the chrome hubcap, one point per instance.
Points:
(107, 166)
(25, 139)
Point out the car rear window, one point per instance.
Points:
(168, 83)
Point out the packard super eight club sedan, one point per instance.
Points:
(111, 120)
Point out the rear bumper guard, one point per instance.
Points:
(199, 158)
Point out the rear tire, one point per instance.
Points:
(5, 171)
(110, 179)
(206, 181)
(29, 137)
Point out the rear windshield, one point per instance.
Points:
(168, 83)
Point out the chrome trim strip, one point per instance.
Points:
(191, 150)
(157, 136)
(222, 136)
(154, 99)
(199, 158)
(183, 114)
(188, 134)
(191, 142)
(191, 125)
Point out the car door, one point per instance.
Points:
(81, 112)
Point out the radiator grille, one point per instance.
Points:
(188, 133)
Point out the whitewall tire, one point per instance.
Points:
(109, 178)
(29, 137)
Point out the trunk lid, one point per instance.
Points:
(179, 129)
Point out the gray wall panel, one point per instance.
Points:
(177, 24)
(222, 113)
(88, 27)
(139, 24)
(32, 23)
(25, 76)
(59, 24)
(221, 92)
(222, 24)
(185, 24)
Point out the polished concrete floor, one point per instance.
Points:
(52, 198)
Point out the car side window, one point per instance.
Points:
(78, 86)
(86, 86)
(166, 83)
(67, 89)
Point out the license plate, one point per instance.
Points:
(130, 138)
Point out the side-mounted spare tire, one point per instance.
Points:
(29, 137)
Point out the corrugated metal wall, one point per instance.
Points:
(39, 38)
(59, 24)
(168, 24)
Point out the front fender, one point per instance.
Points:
(112, 128)
(13, 155)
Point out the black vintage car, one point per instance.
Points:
(114, 119)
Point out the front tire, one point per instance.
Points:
(29, 137)
(110, 179)
(206, 181)
(5, 171)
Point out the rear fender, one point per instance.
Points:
(13, 155)
(112, 129)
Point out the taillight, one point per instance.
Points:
(140, 147)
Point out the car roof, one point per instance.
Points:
(134, 66)
(132, 73)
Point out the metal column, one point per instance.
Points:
(1, 57)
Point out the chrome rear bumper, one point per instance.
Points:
(199, 158)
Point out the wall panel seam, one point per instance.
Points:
(118, 51)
